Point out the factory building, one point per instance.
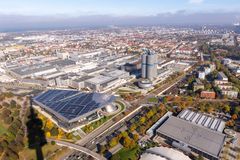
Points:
(32, 71)
(39, 70)
(149, 65)
(100, 82)
(79, 83)
(107, 80)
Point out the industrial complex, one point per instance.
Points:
(147, 93)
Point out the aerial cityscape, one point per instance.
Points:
(111, 80)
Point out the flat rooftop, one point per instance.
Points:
(84, 78)
(114, 73)
(198, 137)
(222, 75)
(62, 63)
(100, 79)
(30, 69)
(70, 104)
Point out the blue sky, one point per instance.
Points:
(114, 7)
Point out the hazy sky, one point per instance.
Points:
(45, 14)
(113, 7)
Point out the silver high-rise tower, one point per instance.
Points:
(149, 65)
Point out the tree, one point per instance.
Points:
(1, 150)
(150, 114)
(10, 155)
(236, 110)
(113, 142)
(202, 107)
(135, 137)
(4, 144)
(210, 109)
(124, 134)
(230, 123)
(13, 103)
(53, 142)
(161, 107)
(127, 142)
(133, 127)
(234, 117)
(226, 108)
(16, 113)
(142, 129)
(49, 124)
(54, 131)
(8, 120)
(132, 144)
(6, 112)
(142, 120)
(5, 104)
(164, 100)
(208, 86)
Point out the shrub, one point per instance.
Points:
(53, 142)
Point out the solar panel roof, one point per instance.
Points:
(72, 104)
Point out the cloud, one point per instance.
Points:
(196, 1)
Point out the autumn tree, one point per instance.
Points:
(142, 120)
(135, 137)
(128, 142)
(230, 123)
(133, 127)
(234, 117)
(113, 142)
(124, 134)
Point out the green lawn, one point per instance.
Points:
(128, 154)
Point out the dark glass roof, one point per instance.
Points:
(72, 104)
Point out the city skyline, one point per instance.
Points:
(75, 8)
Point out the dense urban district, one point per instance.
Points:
(120, 93)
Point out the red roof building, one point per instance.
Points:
(208, 95)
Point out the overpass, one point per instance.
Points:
(81, 149)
